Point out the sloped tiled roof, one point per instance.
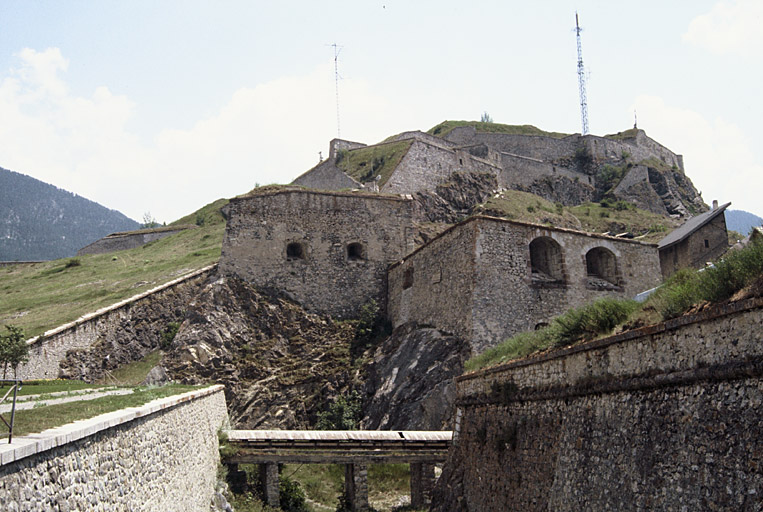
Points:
(690, 226)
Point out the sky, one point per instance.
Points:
(162, 106)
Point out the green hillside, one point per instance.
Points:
(445, 127)
(45, 295)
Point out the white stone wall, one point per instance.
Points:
(162, 456)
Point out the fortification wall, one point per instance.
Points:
(129, 240)
(435, 286)
(662, 418)
(504, 298)
(522, 170)
(426, 165)
(325, 278)
(123, 332)
(706, 244)
(160, 456)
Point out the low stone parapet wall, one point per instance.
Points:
(163, 456)
(131, 327)
(666, 417)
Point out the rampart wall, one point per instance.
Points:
(329, 251)
(426, 165)
(326, 176)
(160, 456)
(665, 417)
(127, 331)
(129, 240)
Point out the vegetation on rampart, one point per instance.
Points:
(446, 127)
(365, 164)
(683, 292)
(603, 217)
(627, 134)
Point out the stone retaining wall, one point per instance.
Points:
(128, 330)
(160, 456)
(661, 418)
(130, 239)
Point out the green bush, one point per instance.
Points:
(343, 414)
(168, 335)
(13, 349)
(292, 497)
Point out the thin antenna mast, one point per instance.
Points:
(337, 50)
(581, 80)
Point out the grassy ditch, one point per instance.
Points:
(685, 290)
(42, 418)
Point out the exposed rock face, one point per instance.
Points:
(279, 364)
(409, 383)
(560, 189)
(455, 199)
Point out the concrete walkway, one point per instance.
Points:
(30, 402)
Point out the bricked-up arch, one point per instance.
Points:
(356, 252)
(601, 267)
(546, 261)
(295, 251)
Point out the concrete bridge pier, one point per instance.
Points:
(356, 486)
(422, 484)
(269, 481)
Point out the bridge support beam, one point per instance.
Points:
(422, 483)
(269, 481)
(356, 486)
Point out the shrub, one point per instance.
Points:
(13, 349)
(292, 497)
(343, 414)
(74, 262)
(168, 335)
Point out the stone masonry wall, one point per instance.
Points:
(127, 330)
(261, 228)
(485, 292)
(692, 252)
(326, 176)
(661, 418)
(161, 456)
(130, 240)
(426, 165)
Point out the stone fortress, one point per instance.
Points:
(349, 230)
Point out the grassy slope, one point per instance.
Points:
(445, 127)
(46, 295)
(591, 217)
(364, 164)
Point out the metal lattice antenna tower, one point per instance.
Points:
(581, 80)
(337, 50)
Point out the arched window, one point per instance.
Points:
(355, 252)
(295, 251)
(546, 262)
(601, 267)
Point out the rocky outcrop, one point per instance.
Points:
(456, 198)
(409, 382)
(280, 365)
(560, 189)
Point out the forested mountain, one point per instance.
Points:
(742, 221)
(42, 222)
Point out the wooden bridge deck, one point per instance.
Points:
(337, 446)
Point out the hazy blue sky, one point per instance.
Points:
(164, 106)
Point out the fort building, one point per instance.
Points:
(701, 239)
(486, 278)
(329, 251)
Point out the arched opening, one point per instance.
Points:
(546, 262)
(295, 251)
(601, 267)
(355, 252)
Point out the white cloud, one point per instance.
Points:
(718, 158)
(729, 28)
(265, 134)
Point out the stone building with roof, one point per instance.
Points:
(487, 278)
(700, 239)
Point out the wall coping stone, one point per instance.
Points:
(107, 309)
(32, 444)
(642, 332)
(354, 194)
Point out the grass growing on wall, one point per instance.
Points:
(42, 418)
(684, 290)
(365, 164)
(446, 127)
(46, 295)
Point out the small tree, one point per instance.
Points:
(486, 118)
(149, 221)
(13, 349)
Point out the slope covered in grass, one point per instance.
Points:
(446, 127)
(685, 290)
(45, 295)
